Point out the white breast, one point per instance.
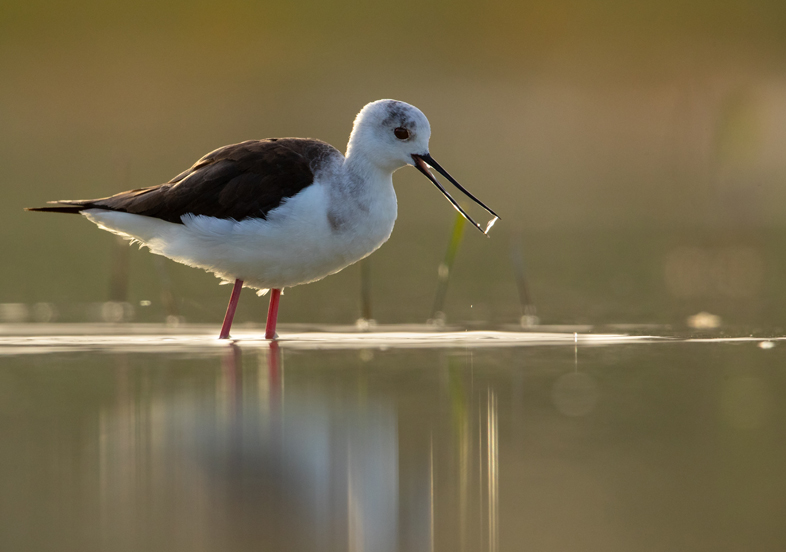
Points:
(296, 244)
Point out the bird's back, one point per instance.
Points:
(240, 181)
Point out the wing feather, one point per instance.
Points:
(239, 181)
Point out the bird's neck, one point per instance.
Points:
(359, 167)
(363, 189)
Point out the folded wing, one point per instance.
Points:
(245, 180)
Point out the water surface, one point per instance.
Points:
(612, 445)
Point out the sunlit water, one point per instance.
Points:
(390, 441)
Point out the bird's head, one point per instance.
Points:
(390, 134)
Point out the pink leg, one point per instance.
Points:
(272, 314)
(231, 308)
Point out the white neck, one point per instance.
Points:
(358, 158)
(361, 198)
(363, 171)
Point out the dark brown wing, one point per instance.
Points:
(240, 181)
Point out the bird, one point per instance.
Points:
(279, 212)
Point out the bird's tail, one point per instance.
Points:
(64, 206)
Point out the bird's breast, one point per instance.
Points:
(362, 218)
(317, 233)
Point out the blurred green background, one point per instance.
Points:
(635, 150)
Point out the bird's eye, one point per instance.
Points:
(401, 133)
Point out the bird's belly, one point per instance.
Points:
(299, 256)
(295, 245)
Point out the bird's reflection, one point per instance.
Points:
(230, 457)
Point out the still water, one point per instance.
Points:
(606, 445)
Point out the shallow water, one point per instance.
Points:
(555, 441)
(635, 155)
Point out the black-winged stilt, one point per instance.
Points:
(275, 213)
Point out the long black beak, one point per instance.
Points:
(422, 163)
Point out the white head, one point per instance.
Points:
(388, 132)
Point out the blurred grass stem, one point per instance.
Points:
(118, 278)
(445, 268)
(528, 311)
(365, 289)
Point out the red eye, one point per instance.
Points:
(401, 133)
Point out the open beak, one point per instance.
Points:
(424, 161)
